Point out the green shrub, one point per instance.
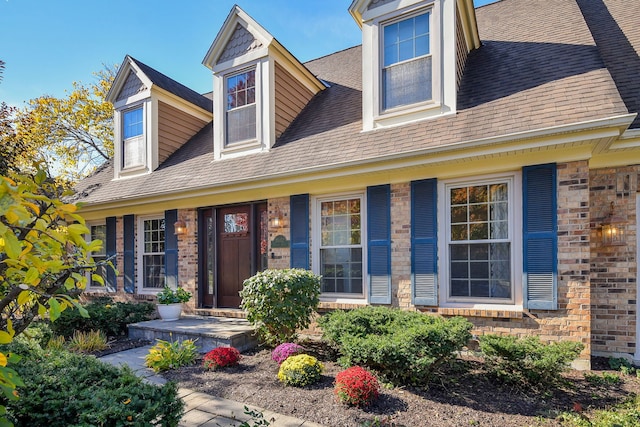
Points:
(67, 389)
(300, 370)
(279, 302)
(404, 347)
(104, 315)
(527, 361)
(167, 355)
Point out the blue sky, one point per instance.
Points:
(49, 44)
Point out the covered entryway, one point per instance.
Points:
(232, 249)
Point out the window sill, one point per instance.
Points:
(335, 305)
(515, 313)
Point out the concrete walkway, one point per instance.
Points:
(202, 410)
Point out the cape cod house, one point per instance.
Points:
(481, 163)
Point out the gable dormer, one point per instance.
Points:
(153, 116)
(413, 54)
(258, 87)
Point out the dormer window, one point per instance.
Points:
(407, 63)
(133, 147)
(241, 107)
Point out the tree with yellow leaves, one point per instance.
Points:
(45, 261)
(72, 135)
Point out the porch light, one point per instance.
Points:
(278, 220)
(179, 228)
(613, 229)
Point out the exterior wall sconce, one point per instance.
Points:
(614, 229)
(179, 228)
(278, 219)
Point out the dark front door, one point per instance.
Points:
(233, 247)
(234, 253)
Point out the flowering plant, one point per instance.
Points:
(356, 386)
(300, 370)
(173, 296)
(220, 357)
(283, 351)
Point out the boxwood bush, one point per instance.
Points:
(404, 347)
(67, 389)
(279, 302)
(111, 318)
(527, 361)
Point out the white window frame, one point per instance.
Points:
(142, 139)
(264, 128)
(515, 303)
(382, 67)
(89, 238)
(228, 76)
(411, 112)
(140, 253)
(342, 298)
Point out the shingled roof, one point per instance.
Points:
(537, 68)
(174, 87)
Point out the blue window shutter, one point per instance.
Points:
(424, 242)
(540, 237)
(129, 254)
(379, 243)
(299, 207)
(110, 251)
(170, 249)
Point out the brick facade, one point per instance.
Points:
(596, 284)
(613, 268)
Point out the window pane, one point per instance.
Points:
(340, 261)
(153, 253)
(422, 45)
(487, 264)
(132, 123)
(241, 124)
(407, 83)
(241, 90)
(405, 50)
(422, 24)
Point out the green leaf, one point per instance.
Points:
(5, 337)
(12, 246)
(98, 278)
(32, 277)
(54, 310)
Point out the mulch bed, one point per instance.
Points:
(462, 396)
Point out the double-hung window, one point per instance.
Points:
(480, 246)
(133, 147)
(99, 232)
(341, 248)
(153, 269)
(241, 107)
(407, 62)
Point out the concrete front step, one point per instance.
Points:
(209, 332)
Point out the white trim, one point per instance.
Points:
(316, 236)
(514, 180)
(119, 170)
(140, 253)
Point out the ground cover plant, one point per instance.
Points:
(356, 386)
(69, 389)
(300, 370)
(285, 350)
